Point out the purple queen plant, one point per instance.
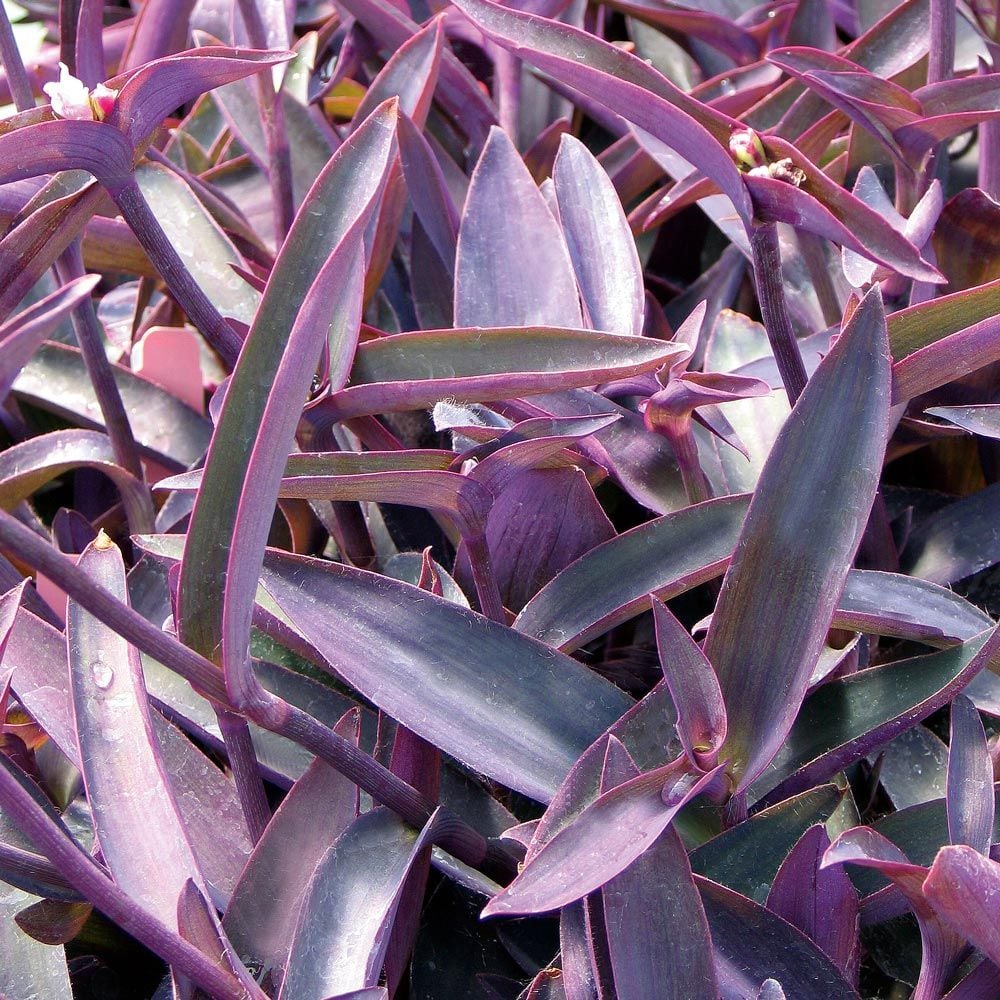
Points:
(533, 342)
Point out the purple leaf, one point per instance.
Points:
(544, 708)
(263, 913)
(512, 267)
(664, 557)
(658, 935)
(22, 334)
(475, 365)
(765, 640)
(624, 822)
(141, 834)
(963, 887)
(256, 428)
(821, 902)
(701, 713)
(56, 380)
(623, 82)
(410, 74)
(922, 325)
(958, 540)
(970, 779)
(207, 801)
(152, 92)
(26, 467)
(600, 242)
(543, 521)
(983, 420)
(349, 907)
(845, 719)
(574, 954)
(751, 945)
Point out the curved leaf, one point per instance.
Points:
(349, 907)
(524, 721)
(970, 779)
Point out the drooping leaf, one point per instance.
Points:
(970, 779)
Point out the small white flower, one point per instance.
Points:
(71, 99)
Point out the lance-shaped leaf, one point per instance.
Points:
(612, 583)
(821, 902)
(845, 719)
(56, 380)
(963, 887)
(141, 834)
(600, 242)
(23, 333)
(658, 936)
(349, 907)
(946, 359)
(746, 857)
(325, 476)
(524, 721)
(701, 714)
(30, 968)
(302, 307)
(28, 466)
(264, 910)
(779, 594)
(983, 420)
(970, 779)
(479, 365)
(602, 841)
(512, 267)
(942, 947)
(751, 945)
(922, 325)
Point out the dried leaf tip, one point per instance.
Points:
(103, 541)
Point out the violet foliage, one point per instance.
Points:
(499, 500)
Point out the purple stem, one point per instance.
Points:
(456, 836)
(246, 771)
(989, 139)
(490, 602)
(774, 309)
(685, 448)
(84, 874)
(17, 77)
(273, 120)
(507, 69)
(941, 47)
(95, 358)
(146, 227)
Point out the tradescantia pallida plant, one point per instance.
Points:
(545, 537)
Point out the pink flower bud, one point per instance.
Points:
(747, 149)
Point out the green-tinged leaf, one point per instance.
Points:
(922, 325)
(55, 379)
(475, 365)
(349, 907)
(29, 968)
(28, 466)
(261, 918)
(141, 834)
(507, 705)
(612, 582)
(959, 540)
(845, 719)
(746, 857)
(206, 250)
(751, 944)
(801, 531)
(983, 420)
(303, 306)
